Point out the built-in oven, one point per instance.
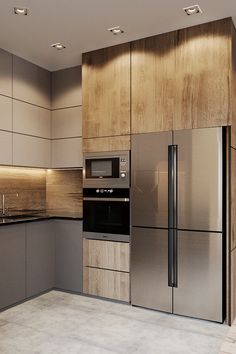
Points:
(106, 169)
(106, 213)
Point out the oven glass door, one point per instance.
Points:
(106, 217)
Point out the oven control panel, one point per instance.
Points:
(104, 190)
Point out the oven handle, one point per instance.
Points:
(106, 199)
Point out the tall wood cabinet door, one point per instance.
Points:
(153, 83)
(106, 92)
(203, 69)
(12, 264)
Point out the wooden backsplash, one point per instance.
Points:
(64, 192)
(29, 184)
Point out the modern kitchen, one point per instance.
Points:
(117, 177)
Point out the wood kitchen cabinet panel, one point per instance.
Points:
(40, 246)
(106, 283)
(31, 120)
(203, 56)
(31, 83)
(114, 143)
(153, 85)
(12, 264)
(106, 92)
(106, 254)
(5, 73)
(69, 254)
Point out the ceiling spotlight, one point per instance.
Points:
(192, 10)
(116, 30)
(58, 46)
(20, 11)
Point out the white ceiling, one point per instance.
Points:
(82, 25)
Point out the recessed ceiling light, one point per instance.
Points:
(192, 10)
(21, 11)
(116, 30)
(58, 46)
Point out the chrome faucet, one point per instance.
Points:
(4, 209)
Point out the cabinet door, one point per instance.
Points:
(153, 84)
(12, 264)
(202, 70)
(67, 123)
(5, 148)
(31, 83)
(67, 153)
(113, 143)
(107, 283)
(106, 254)
(40, 257)
(68, 238)
(106, 92)
(31, 151)
(5, 73)
(31, 120)
(5, 113)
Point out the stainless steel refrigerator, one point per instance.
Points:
(177, 213)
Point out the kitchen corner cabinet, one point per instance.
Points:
(67, 153)
(106, 267)
(69, 266)
(12, 264)
(40, 246)
(106, 92)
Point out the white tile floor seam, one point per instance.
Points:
(59, 322)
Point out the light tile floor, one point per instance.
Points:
(58, 322)
(229, 345)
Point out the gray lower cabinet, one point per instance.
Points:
(68, 240)
(12, 264)
(40, 245)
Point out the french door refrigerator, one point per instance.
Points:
(177, 215)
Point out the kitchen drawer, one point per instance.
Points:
(106, 283)
(106, 254)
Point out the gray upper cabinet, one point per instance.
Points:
(40, 257)
(68, 240)
(31, 120)
(67, 153)
(5, 73)
(31, 83)
(31, 152)
(5, 148)
(5, 113)
(66, 88)
(12, 264)
(67, 123)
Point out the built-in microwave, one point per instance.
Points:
(107, 169)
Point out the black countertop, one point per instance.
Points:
(17, 219)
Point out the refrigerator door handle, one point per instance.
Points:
(172, 186)
(172, 216)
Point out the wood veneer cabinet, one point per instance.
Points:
(106, 92)
(106, 267)
(182, 79)
(110, 143)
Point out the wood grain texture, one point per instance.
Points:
(233, 86)
(114, 143)
(106, 254)
(203, 74)
(30, 184)
(64, 192)
(153, 83)
(106, 91)
(106, 283)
